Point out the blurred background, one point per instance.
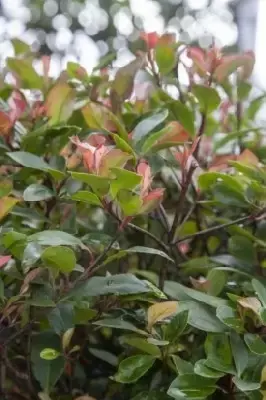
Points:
(85, 30)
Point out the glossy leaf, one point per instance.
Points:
(87, 197)
(148, 124)
(6, 205)
(37, 192)
(207, 97)
(133, 368)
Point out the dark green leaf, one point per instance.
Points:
(176, 326)
(191, 386)
(55, 238)
(149, 250)
(61, 318)
(243, 249)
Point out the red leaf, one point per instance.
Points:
(151, 39)
(4, 260)
(231, 63)
(144, 170)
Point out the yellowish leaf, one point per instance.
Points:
(6, 205)
(67, 336)
(262, 381)
(159, 311)
(250, 303)
(59, 103)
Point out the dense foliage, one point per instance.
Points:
(132, 229)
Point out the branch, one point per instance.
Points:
(150, 235)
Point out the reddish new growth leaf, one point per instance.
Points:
(98, 156)
(151, 39)
(4, 260)
(151, 199)
(213, 62)
(18, 105)
(185, 159)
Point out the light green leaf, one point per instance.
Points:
(191, 386)
(124, 179)
(202, 369)
(87, 197)
(142, 344)
(61, 258)
(24, 70)
(165, 57)
(99, 184)
(260, 290)
(49, 354)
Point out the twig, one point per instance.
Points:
(150, 235)
(247, 218)
(181, 201)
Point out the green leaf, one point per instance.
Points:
(87, 197)
(201, 317)
(176, 326)
(149, 250)
(229, 317)
(129, 202)
(121, 284)
(245, 386)
(124, 179)
(202, 369)
(148, 124)
(142, 344)
(217, 280)
(61, 318)
(31, 255)
(117, 323)
(181, 292)
(165, 57)
(55, 238)
(184, 115)
(260, 290)
(37, 192)
(46, 372)
(99, 184)
(133, 368)
(61, 258)
(209, 179)
(219, 354)
(208, 98)
(229, 196)
(23, 69)
(255, 344)
(240, 353)
(243, 249)
(182, 366)
(32, 161)
(15, 242)
(49, 354)
(191, 386)
(20, 47)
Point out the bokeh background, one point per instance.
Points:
(85, 30)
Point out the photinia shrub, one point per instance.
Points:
(132, 228)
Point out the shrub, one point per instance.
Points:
(132, 232)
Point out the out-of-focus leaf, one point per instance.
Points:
(59, 103)
(6, 205)
(55, 238)
(191, 386)
(37, 192)
(255, 344)
(25, 72)
(149, 250)
(165, 56)
(124, 78)
(207, 97)
(148, 124)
